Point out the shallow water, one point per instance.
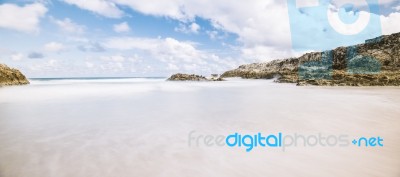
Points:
(140, 127)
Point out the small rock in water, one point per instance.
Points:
(187, 77)
(191, 77)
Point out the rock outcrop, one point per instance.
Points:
(191, 77)
(374, 63)
(10, 76)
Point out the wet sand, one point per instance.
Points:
(140, 127)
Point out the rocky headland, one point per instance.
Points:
(191, 77)
(373, 63)
(10, 76)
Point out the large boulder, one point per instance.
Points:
(10, 76)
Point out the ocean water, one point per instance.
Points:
(126, 127)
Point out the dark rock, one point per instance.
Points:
(191, 77)
(217, 79)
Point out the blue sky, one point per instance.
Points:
(132, 38)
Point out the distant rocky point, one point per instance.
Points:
(10, 76)
(191, 77)
(374, 63)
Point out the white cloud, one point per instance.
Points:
(385, 2)
(192, 28)
(129, 43)
(250, 25)
(17, 56)
(212, 34)
(172, 67)
(44, 66)
(102, 7)
(117, 63)
(67, 25)
(112, 67)
(91, 47)
(122, 27)
(25, 19)
(261, 53)
(54, 47)
(262, 28)
(89, 64)
(114, 58)
(5, 51)
(78, 39)
(259, 24)
(397, 8)
(171, 8)
(167, 50)
(174, 54)
(266, 24)
(121, 58)
(390, 23)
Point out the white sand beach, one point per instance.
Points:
(139, 127)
